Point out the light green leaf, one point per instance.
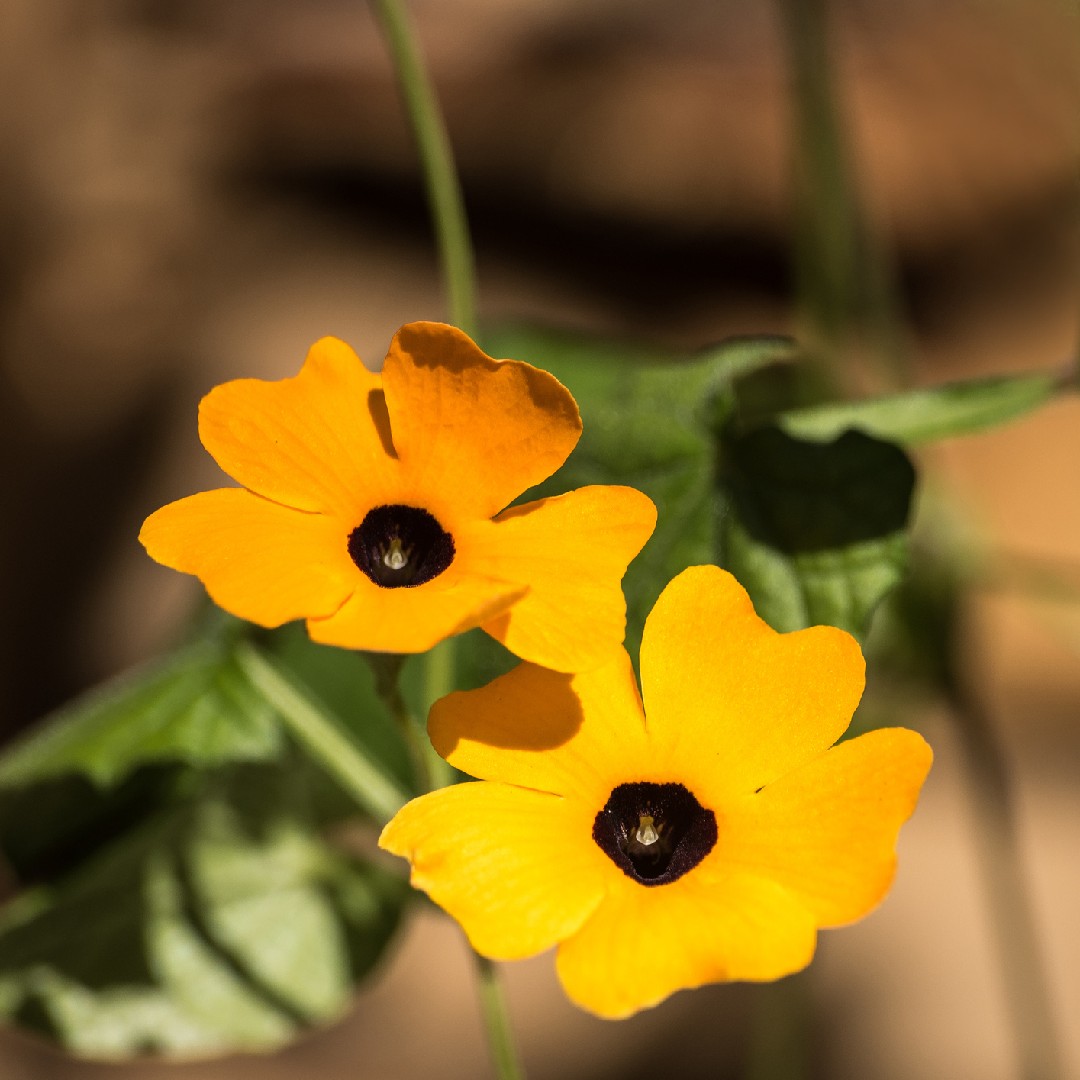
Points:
(223, 924)
(195, 706)
(595, 366)
(935, 412)
(198, 707)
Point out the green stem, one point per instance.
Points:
(458, 268)
(1024, 980)
(497, 1021)
(437, 160)
(779, 1033)
(311, 725)
(844, 281)
(440, 668)
(387, 668)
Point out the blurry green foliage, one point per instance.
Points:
(222, 922)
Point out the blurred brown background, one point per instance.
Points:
(193, 191)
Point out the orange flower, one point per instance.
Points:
(374, 506)
(702, 836)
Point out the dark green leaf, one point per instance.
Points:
(50, 827)
(223, 924)
(816, 532)
(935, 412)
(647, 416)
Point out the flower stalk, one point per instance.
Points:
(437, 163)
(497, 1021)
(458, 270)
(844, 279)
(448, 217)
(312, 727)
(387, 668)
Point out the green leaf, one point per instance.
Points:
(50, 827)
(647, 416)
(223, 924)
(195, 706)
(936, 412)
(594, 366)
(815, 532)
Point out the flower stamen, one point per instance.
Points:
(646, 832)
(395, 555)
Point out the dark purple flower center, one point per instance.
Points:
(399, 546)
(654, 833)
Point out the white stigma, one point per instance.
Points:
(394, 557)
(646, 832)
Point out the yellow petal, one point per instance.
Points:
(572, 551)
(644, 943)
(409, 620)
(479, 430)
(318, 441)
(517, 869)
(731, 703)
(828, 830)
(574, 735)
(261, 561)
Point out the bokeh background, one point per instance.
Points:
(192, 191)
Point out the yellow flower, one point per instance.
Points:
(708, 842)
(374, 506)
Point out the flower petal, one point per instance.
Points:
(317, 441)
(828, 830)
(518, 869)
(574, 735)
(479, 429)
(730, 701)
(259, 560)
(644, 943)
(573, 551)
(410, 620)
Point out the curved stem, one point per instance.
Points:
(458, 269)
(497, 1021)
(437, 160)
(845, 283)
(387, 669)
(439, 678)
(314, 729)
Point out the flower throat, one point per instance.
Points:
(654, 833)
(399, 546)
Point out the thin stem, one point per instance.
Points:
(844, 281)
(779, 1032)
(437, 159)
(458, 268)
(497, 1021)
(387, 668)
(439, 679)
(313, 728)
(1024, 979)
